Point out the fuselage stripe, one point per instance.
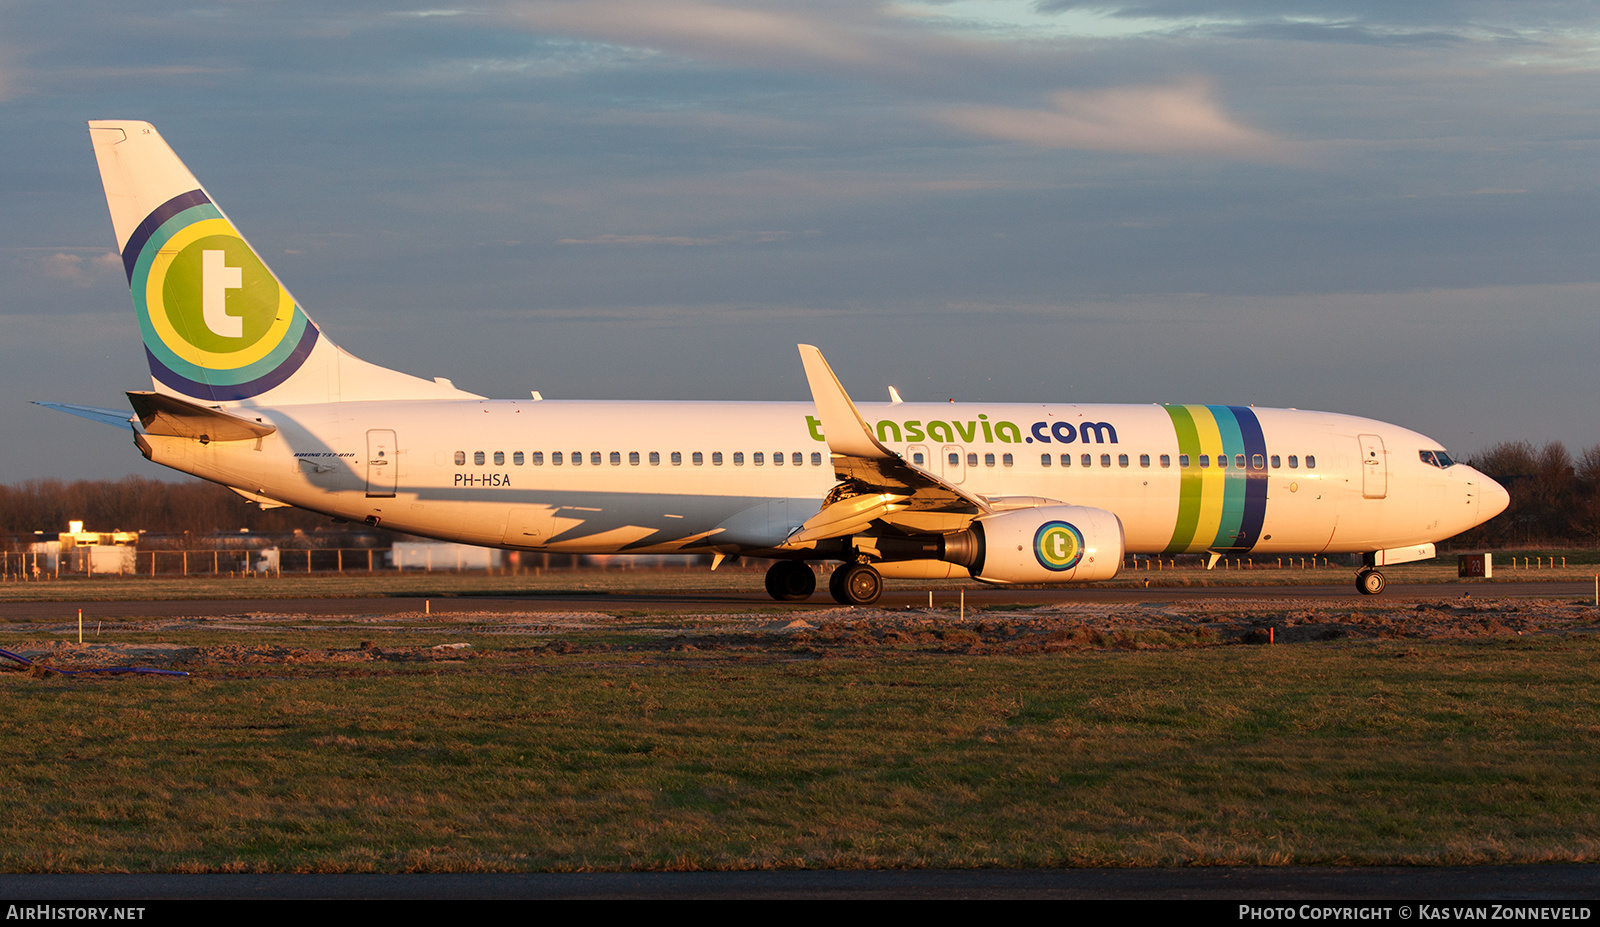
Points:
(1221, 506)
(1189, 486)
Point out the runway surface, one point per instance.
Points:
(730, 602)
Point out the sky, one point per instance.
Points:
(1385, 209)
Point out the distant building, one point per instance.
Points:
(438, 555)
(78, 551)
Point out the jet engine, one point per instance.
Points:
(1048, 544)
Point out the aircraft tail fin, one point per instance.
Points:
(217, 325)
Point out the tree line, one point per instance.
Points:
(1555, 498)
(136, 503)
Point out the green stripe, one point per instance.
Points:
(1234, 485)
(1189, 484)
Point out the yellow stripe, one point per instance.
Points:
(1213, 482)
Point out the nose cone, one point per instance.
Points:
(1492, 498)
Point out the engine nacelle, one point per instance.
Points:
(1048, 544)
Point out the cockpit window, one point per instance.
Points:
(1438, 459)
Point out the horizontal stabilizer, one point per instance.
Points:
(168, 415)
(92, 413)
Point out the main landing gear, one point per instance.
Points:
(791, 581)
(851, 584)
(855, 584)
(1369, 582)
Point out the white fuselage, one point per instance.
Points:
(646, 477)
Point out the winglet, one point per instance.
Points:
(845, 429)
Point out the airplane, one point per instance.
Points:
(249, 392)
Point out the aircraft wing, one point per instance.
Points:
(92, 413)
(874, 482)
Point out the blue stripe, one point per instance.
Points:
(130, 251)
(1255, 503)
(231, 393)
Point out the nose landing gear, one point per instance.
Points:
(1369, 582)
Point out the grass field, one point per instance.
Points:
(692, 743)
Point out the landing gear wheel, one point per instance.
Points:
(791, 581)
(1369, 582)
(855, 584)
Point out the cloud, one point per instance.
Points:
(1180, 119)
(80, 271)
(680, 240)
(701, 29)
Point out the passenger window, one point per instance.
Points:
(988, 460)
(798, 459)
(955, 460)
(1183, 461)
(916, 458)
(697, 458)
(816, 458)
(1222, 462)
(1238, 461)
(1005, 460)
(517, 458)
(716, 458)
(1166, 461)
(655, 458)
(1044, 460)
(499, 458)
(1122, 460)
(677, 458)
(972, 460)
(1257, 462)
(633, 458)
(477, 457)
(1311, 462)
(1087, 460)
(538, 458)
(738, 458)
(461, 458)
(1066, 460)
(1144, 460)
(616, 459)
(1277, 462)
(1205, 461)
(1105, 460)
(555, 458)
(757, 458)
(1294, 462)
(577, 458)
(777, 458)
(594, 458)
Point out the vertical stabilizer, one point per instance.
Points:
(217, 325)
